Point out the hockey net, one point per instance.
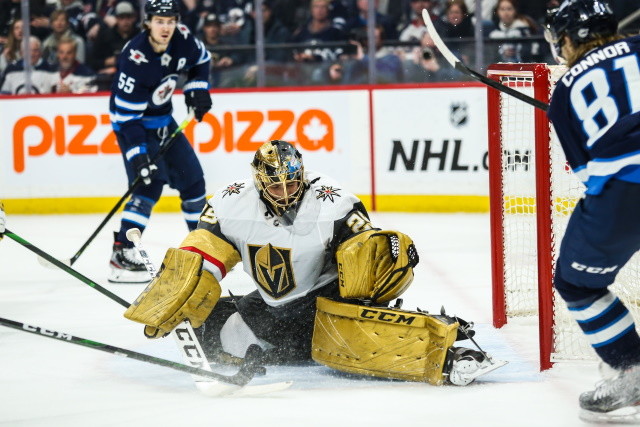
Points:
(532, 195)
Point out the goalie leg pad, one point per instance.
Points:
(382, 342)
(182, 290)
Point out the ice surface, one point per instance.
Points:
(49, 383)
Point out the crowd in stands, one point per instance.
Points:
(74, 43)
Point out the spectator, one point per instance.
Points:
(9, 13)
(233, 21)
(416, 28)
(318, 29)
(329, 74)
(72, 76)
(358, 19)
(61, 29)
(457, 22)
(42, 74)
(274, 33)
(424, 65)
(220, 59)
(110, 41)
(75, 12)
(512, 24)
(10, 10)
(11, 51)
(488, 8)
(388, 65)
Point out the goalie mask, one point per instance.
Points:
(580, 20)
(278, 174)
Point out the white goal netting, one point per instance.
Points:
(521, 211)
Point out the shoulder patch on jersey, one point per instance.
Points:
(183, 30)
(137, 56)
(327, 192)
(233, 189)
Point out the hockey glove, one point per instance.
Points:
(142, 163)
(198, 98)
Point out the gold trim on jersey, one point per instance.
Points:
(213, 246)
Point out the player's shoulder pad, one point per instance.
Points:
(330, 195)
(233, 198)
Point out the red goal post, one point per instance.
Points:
(532, 194)
(525, 232)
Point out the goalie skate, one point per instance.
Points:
(466, 365)
(614, 400)
(127, 266)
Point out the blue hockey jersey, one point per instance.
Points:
(142, 87)
(595, 110)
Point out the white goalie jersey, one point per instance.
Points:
(286, 262)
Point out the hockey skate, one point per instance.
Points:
(127, 265)
(614, 400)
(465, 365)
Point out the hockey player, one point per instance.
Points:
(596, 112)
(141, 108)
(324, 278)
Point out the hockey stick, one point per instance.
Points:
(458, 65)
(190, 348)
(187, 342)
(243, 376)
(135, 184)
(65, 267)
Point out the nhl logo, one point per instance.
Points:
(458, 114)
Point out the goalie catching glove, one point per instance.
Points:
(376, 265)
(181, 291)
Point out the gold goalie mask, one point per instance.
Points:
(278, 174)
(376, 265)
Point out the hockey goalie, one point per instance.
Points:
(324, 276)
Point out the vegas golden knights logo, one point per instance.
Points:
(271, 269)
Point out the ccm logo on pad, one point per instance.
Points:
(593, 270)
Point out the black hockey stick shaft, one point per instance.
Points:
(458, 65)
(135, 184)
(502, 88)
(66, 268)
(243, 376)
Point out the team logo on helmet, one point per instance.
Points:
(271, 269)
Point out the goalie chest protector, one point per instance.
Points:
(382, 342)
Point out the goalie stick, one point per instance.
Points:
(188, 343)
(458, 65)
(135, 184)
(244, 375)
(187, 346)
